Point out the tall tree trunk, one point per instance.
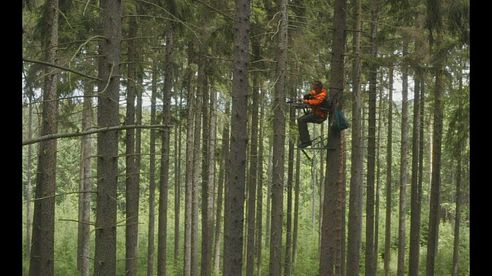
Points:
(206, 250)
(340, 215)
(295, 232)
(165, 136)
(43, 233)
(177, 177)
(253, 169)
(234, 199)
(430, 144)
(458, 157)
(370, 260)
(356, 169)
(421, 156)
(131, 226)
(413, 261)
(456, 242)
(259, 198)
(321, 190)
(288, 233)
(189, 177)
(29, 185)
(389, 154)
(222, 179)
(269, 191)
(85, 186)
(403, 166)
(195, 189)
(432, 241)
(326, 261)
(211, 173)
(138, 131)
(278, 143)
(378, 173)
(153, 121)
(196, 175)
(107, 142)
(177, 186)
(343, 243)
(290, 180)
(314, 183)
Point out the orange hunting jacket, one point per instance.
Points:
(317, 100)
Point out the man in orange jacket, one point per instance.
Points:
(317, 98)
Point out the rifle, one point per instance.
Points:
(297, 103)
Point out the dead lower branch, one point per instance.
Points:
(60, 67)
(77, 134)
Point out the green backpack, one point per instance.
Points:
(340, 122)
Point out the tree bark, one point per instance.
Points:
(314, 190)
(253, 169)
(196, 175)
(458, 157)
(355, 201)
(370, 258)
(107, 142)
(222, 179)
(421, 155)
(413, 261)
(343, 243)
(85, 185)
(207, 192)
(211, 172)
(153, 120)
(389, 155)
(456, 242)
(378, 172)
(131, 226)
(403, 167)
(43, 232)
(259, 199)
(290, 180)
(234, 208)
(279, 109)
(189, 177)
(29, 186)
(321, 190)
(295, 232)
(177, 177)
(340, 215)
(435, 193)
(269, 191)
(138, 131)
(165, 149)
(328, 234)
(177, 187)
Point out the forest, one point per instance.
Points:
(162, 137)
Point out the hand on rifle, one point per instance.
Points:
(308, 97)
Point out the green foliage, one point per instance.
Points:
(459, 19)
(445, 257)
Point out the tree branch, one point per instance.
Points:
(62, 194)
(175, 17)
(78, 221)
(60, 67)
(76, 134)
(216, 10)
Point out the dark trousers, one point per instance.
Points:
(303, 127)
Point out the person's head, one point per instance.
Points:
(317, 86)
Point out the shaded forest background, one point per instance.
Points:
(157, 139)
